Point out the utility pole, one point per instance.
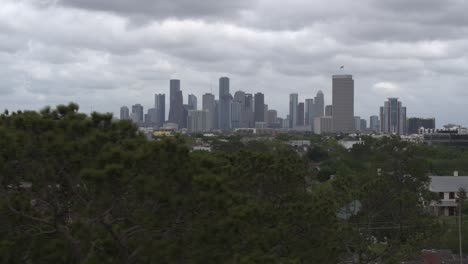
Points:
(461, 198)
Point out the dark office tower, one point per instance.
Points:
(249, 111)
(293, 102)
(259, 115)
(374, 123)
(319, 104)
(393, 117)
(343, 103)
(300, 114)
(225, 100)
(415, 123)
(160, 105)
(265, 113)
(137, 113)
(124, 113)
(209, 104)
(328, 110)
(192, 102)
(176, 107)
(309, 112)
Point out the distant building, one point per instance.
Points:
(416, 123)
(124, 113)
(209, 104)
(249, 119)
(272, 119)
(137, 113)
(300, 114)
(240, 98)
(176, 104)
(357, 123)
(343, 103)
(329, 110)
(192, 102)
(152, 119)
(363, 125)
(259, 107)
(309, 114)
(236, 114)
(197, 121)
(393, 117)
(323, 124)
(293, 102)
(225, 99)
(319, 104)
(374, 123)
(160, 105)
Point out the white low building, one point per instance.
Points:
(447, 187)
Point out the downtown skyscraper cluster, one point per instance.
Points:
(228, 112)
(240, 110)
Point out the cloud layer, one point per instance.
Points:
(108, 53)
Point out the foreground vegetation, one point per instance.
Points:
(87, 189)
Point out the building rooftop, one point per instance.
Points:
(342, 76)
(448, 183)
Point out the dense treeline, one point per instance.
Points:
(87, 189)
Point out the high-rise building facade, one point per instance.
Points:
(416, 123)
(236, 114)
(259, 114)
(160, 105)
(393, 117)
(225, 99)
(152, 119)
(319, 104)
(209, 104)
(343, 103)
(309, 112)
(239, 97)
(363, 125)
(137, 113)
(272, 119)
(176, 107)
(328, 110)
(124, 113)
(374, 123)
(197, 121)
(293, 102)
(357, 123)
(192, 102)
(249, 111)
(300, 115)
(323, 124)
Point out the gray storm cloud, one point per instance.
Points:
(108, 53)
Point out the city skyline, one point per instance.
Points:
(264, 46)
(245, 110)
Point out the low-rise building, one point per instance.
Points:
(447, 187)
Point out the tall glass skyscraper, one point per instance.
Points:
(293, 102)
(225, 99)
(393, 117)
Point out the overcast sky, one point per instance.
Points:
(104, 54)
